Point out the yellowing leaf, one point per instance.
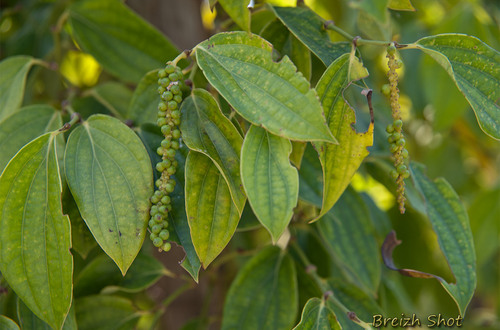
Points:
(340, 162)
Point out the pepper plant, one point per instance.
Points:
(254, 152)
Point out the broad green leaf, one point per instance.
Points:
(143, 106)
(355, 300)
(102, 312)
(122, 42)
(23, 126)
(287, 44)
(266, 93)
(264, 293)
(114, 96)
(12, 82)
(101, 273)
(271, 182)
(308, 27)
(451, 224)
(318, 315)
(310, 177)
(212, 215)
(205, 129)
(400, 5)
(238, 11)
(7, 324)
(110, 177)
(180, 232)
(35, 238)
(348, 232)
(340, 162)
(82, 240)
(29, 321)
(475, 68)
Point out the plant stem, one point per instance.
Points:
(325, 288)
(330, 25)
(75, 118)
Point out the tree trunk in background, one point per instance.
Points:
(180, 20)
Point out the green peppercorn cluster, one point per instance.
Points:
(395, 130)
(171, 83)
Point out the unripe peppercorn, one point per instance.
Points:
(166, 246)
(169, 116)
(169, 68)
(164, 234)
(172, 105)
(157, 242)
(167, 96)
(156, 228)
(175, 89)
(178, 98)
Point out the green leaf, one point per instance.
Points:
(266, 93)
(317, 314)
(143, 106)
(211, 213)
(308, 27)
(101, 273)
(23, 126)
(122, 42)
(475, 68)
(400, 5)
(355, 300)
(35, 237)
(348, 231)
(271, 182)
(238, 11)
(180, 232)
(7, 324)
(110, 176)
(30, 321)
(103, 312)
(340, 162)
(451, 224)
(310, 177)
(263, 294)
(205, 129)
(12, 82)
(114, 96)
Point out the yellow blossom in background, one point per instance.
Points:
(80, 69)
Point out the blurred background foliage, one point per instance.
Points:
(441, 132)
